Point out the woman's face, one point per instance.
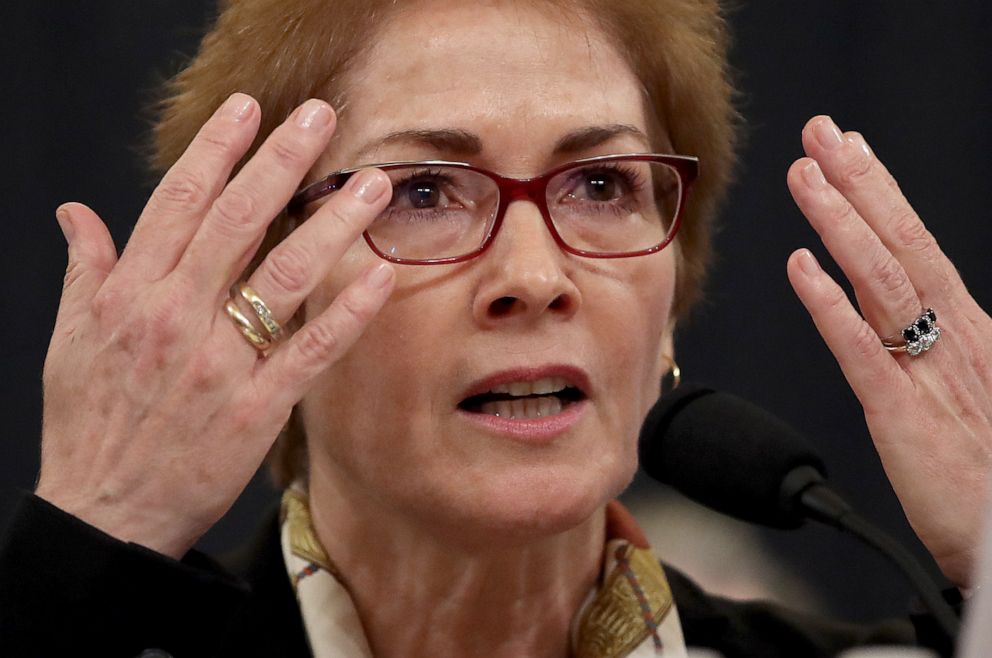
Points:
(387, 426)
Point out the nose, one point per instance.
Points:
(524, 276)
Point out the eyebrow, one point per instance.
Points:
(448, 140)
(592, 136)
(463, 142)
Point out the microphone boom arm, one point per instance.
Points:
(806, 489)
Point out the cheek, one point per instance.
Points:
(643, 324)
(359, 413)
(649, 358)
(374, 383)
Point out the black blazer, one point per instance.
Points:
(67, 588)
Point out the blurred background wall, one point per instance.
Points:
(913, 76)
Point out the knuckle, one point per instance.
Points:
(73, 271)
(290, 153)
(234, 210)
(149, 330)
(181, 189)
(219, 141)
(161, 331)
(106, 302)
(911, 232)
(317, 342)
(163, 328)
(353, 308)
(150, 336)
(346, 214)
(206, 370)
(841, 213)
(288, 267)
(835, 299)
(855, 167)
(890, 275)
(865, 341)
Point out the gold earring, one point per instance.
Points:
(673, 377)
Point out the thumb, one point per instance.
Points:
(92, 255)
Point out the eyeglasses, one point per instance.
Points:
(613, 206)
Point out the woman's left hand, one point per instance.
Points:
(930, 415)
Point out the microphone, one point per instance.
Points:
(729, 455)
(739, 459)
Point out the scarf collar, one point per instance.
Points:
(629, 614)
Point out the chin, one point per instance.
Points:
(528, 503)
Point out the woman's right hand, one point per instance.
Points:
(157, 412)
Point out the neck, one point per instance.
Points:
(424, 592)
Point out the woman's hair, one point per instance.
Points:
(284, 51)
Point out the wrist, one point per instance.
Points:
(128, 523)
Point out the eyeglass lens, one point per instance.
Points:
(604, 207)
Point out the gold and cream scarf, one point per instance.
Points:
(630, 614)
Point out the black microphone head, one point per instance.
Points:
(727, 454)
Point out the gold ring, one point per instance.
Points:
(254, 338)
(262, 311)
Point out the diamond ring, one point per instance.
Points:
(916, 338)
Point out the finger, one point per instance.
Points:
(255, 196)
(291, 270)
(92, 256)
(851, 166)
(874, 376)
(290, 370)
(180, 201)
(885, 294)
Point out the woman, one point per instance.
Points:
(454, 520)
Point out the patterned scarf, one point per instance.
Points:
(630, 614)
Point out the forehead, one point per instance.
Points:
(517, 75)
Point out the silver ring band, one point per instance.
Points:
(918, 337)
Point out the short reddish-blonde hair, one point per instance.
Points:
(285, 51)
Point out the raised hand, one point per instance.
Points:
(157, 412)
(930, 415)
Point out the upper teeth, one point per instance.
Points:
(539, 387)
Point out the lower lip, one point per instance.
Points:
(543, 429)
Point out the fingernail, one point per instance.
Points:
(368, 185)
(808, 264)
(828, 134)
(314, 114)
(65, 223)
(238, 107)
(379, 276)
(813, 175)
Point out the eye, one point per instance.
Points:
(423, 194)
(424, 190)
(599, 186)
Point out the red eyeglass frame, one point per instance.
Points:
(510, 190)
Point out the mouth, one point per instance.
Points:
(521, 396)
